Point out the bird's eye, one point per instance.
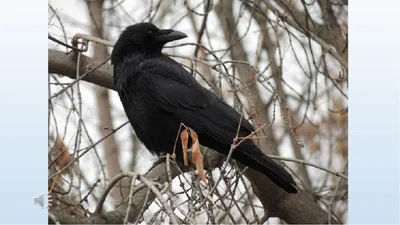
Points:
(150, 32)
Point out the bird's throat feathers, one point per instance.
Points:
(126, 67)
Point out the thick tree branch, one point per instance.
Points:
(64, 64)
(299, 208)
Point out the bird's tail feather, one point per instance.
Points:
(256, 159)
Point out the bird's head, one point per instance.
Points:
(144, 38)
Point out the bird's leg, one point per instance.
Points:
(160, 159)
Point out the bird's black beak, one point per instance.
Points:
(167, 35)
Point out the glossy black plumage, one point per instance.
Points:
(158, 94)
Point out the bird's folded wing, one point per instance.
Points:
(193, 105)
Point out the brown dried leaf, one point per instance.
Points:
(197, 157)
(63, 157)
(184, 140)
(53, 182)
(314, 145)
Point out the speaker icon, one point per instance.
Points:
(39, 200)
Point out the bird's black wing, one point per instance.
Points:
(177, 92)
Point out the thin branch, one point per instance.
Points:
(327, 47)
(303, 162)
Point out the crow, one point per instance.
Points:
(158, 95)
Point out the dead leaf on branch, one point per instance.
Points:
(197, 157)
(61, 158)
(184, 140)
(63, 155)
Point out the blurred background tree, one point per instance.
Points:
(282, 63)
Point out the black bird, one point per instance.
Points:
(158, 94)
